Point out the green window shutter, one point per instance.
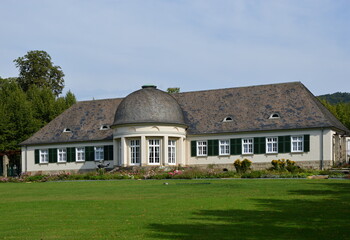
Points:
(236, 146)
(306, 143)
(193, 148)
(259, 145)
(36, 155)
(89, 154)
(52, 155)
(71, 154)
(213, 147)
(284, 144)
(108, 152)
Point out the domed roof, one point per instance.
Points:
(149, 105)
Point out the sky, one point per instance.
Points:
(110, 48)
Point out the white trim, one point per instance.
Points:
(224, 147)
(99, 153)
(80, 154)
(272, 145)
(299, 141)
(202, 148)
(61, 155)
(135, 151)
(154, 152)
(247, 145)
(171, 152)
(43, 155)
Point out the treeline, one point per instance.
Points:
(31, 100)
(340, 110)
(335, 98)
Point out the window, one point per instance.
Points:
(271, 145)
(171, 152)
(135, 152)
(99, 153)
(274, 116)
(80, 154)
(153, 151)
(201, 148)
(247, 145)
(224, 147)
(297, 143)
(62, 155)
(104, 127)
(66, 130)
(44, 156)
(227, 119)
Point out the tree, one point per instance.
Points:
(36, 68)
(173, 90)
(17, 120)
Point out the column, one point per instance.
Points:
(164, 160)
(123, 152)
(144, 159)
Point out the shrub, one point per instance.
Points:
(238, 165)
(242, 166)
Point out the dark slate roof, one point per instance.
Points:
(149, 105)
(84, 119)
(251, 107)
(203, 111)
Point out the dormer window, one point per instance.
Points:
(104, 127)
(274, 116)
(67, 130)
(227, 119)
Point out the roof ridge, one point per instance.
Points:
(251, 86)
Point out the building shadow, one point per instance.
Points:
(326, 216)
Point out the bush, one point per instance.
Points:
(242, 166)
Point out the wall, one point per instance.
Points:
(28, 159)
(319, 156)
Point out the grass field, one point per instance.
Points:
(183, 209)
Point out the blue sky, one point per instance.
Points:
(109, 48)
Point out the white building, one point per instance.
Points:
(150, 127)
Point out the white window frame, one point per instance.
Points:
(153, 151)
(247, 145)
(202, 148)
(135, 154)
(224, 147)
(297, 143)
(80, 154)
(61, 155)
(99, 153)
(271, 144)
(171, 152)
(44, 156)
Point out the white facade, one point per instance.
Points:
(159, 145)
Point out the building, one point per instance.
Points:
(150, 127)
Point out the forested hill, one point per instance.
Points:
(338, 97)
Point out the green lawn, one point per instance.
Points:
(183, 209)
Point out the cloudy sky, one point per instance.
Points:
(109, 48)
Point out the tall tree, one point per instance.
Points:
(17, 120)
(36, 68)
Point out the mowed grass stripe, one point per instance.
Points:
(183, 209)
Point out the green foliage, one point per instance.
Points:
(36, 68)
(340, 110)
(242, 166)
(173, 90)
(335, 98)
(24, 113)
(17, 120)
